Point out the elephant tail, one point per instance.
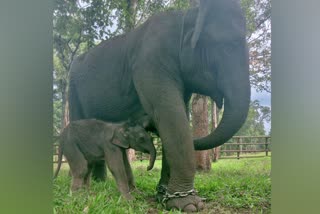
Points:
(60, 153)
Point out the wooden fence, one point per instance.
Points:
(240, 146)
(237, 147)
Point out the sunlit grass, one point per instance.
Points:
(232, 186)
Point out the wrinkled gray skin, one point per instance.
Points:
(85, 142)
(153, 70)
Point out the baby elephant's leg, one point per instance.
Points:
(87, 177)
(114, 159)
(78, 165)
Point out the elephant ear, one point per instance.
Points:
(119, 138)
(120, 143)
(203, 10)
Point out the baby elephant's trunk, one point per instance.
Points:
(153, 154)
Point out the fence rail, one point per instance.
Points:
(253, 144)
(236, 147)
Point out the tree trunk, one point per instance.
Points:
(130, 17)
(194, 3)
(200, 129)
(215, 120)
(66, 114)
(131, 155)
(64, 105)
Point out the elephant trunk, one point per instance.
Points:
(236, 93)
(153, 154)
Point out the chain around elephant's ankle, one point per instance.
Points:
(167, 196)
(161, 189)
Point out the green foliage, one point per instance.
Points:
(254, 125)
(232, 186)
(258, 16)
(249, 10)
(179, 4)
(57, 116)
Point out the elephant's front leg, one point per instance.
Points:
(179, 151)
(114, 159)
(164, 179)
(164, 103)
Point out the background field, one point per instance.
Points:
(232, 186)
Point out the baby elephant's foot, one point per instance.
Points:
(189, 203)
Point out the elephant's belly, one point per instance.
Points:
(113, 109)
(102, 96)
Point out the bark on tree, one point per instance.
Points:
(130, 17)
(65, 105)
(194, 3)
(215, 120)
(66, 114)
(200, 129)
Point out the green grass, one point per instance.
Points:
(232, 186)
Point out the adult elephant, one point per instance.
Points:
(154, 69)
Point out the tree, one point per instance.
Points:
(258, 15)
(200, 129)
(214, 122)
(254, 125)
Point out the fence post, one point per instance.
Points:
(266, 146)
(238, 153)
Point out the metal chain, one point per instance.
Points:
(167, 196)
(162, 189)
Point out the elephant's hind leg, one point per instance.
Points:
(87, 176)
(78, 165)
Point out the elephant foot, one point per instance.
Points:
(184, 201)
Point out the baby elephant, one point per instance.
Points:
(84, 142)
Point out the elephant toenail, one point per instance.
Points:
(200, 205)
(190, 208)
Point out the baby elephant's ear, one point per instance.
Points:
(119, 139)
(121, 143)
